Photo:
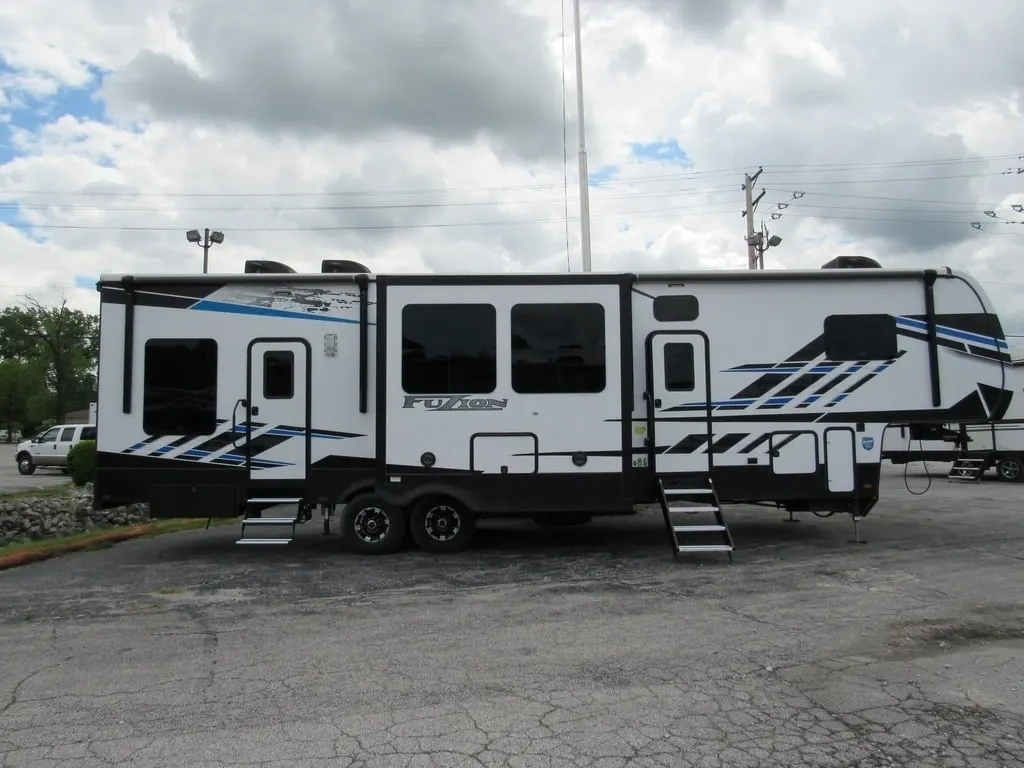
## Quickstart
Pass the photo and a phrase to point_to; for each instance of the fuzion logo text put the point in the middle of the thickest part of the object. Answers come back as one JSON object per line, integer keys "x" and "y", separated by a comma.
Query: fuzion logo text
{"x": 455, "y": 403}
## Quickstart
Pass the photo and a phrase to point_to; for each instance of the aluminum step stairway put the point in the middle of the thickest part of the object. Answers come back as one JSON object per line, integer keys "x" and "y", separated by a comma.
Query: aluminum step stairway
{"x": 682, "y": 498}
{"x": 272, "y": 522}
{"x": 966, "y": 469}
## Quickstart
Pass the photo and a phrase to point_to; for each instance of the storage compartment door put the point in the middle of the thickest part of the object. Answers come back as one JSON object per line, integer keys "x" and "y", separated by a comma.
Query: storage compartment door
{"x": 794, "y": 453}
{"x": 506, "y": 454}
{"x": 841, "y": 460}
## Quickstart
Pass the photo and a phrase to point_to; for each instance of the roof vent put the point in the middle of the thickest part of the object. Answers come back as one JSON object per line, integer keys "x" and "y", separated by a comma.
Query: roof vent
{"x": 262, "y": 266}
{"x": 851, "y": 262}
{"x": 336, "y": 266}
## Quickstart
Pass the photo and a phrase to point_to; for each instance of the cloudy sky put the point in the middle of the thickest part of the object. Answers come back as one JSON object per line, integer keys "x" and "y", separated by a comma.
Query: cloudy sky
{"x": 427, "y": 135}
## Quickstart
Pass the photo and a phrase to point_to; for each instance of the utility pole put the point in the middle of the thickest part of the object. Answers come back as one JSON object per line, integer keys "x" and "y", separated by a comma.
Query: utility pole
{"x": 584, "y": 175}
{"x": 752, "y": 239}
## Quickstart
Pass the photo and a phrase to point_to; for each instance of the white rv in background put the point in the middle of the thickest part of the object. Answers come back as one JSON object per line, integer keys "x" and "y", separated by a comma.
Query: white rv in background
{"x": 973, "y": 448}
{"x": 418, "y": 404}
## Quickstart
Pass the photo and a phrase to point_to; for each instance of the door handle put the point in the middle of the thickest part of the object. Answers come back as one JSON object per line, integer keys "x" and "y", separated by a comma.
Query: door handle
{"x": 657, "y": 402}
{"x": 255, "y": 410}
{"x": 234, "y": 420}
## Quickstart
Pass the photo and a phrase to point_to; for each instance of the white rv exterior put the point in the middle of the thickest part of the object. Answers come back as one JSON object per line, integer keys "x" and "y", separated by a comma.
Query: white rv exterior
{"x": 998, "y": 444}
{"x": 420, "y": 402}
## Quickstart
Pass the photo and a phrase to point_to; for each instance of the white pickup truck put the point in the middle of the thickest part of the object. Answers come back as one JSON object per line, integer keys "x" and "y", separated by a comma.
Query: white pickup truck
{"x": 50, "y": 447}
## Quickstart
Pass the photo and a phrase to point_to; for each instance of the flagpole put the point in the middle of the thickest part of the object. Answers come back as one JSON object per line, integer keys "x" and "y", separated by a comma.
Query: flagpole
{"x": 584, "y": 175}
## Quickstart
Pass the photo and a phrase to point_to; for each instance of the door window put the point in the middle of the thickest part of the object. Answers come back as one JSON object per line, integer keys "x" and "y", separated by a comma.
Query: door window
{"x": 67, "y": 435}
{"x": 50, "y": 435}
{"x": 679, "y": 370}
{"x": 279, "y": 374}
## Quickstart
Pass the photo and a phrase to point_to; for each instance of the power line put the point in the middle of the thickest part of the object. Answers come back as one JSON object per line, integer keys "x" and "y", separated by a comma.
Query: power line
{"x": 886, "y": 197}
{"x": 776, "y": 169}
{"x": 643, "y": 214}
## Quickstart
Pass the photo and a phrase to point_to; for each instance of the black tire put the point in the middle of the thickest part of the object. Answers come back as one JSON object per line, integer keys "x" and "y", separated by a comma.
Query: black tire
{"x": 440, "y": 525}
{"x": 372, "y": 525}
{"x": 1010, "y": 469}
{"x": 561, "y": 519}
{"x": 25, "y": 464}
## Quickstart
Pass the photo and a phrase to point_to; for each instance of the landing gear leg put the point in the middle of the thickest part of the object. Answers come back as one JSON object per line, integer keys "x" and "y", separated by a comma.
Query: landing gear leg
{"x": 856, "y": 516}
{"x": 327, "y": 513}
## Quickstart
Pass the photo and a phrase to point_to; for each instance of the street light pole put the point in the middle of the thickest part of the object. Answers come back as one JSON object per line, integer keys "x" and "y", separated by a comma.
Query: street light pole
{"x": 204, "y": 241}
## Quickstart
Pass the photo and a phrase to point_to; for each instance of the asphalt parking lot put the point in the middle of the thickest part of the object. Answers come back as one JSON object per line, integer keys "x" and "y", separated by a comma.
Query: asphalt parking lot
{"x": 588, "y": 647}
{"x": 11, "y": 481}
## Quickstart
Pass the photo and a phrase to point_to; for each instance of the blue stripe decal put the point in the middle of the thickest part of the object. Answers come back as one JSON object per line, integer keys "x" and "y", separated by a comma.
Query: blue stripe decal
{"x": 824, "y": 367}
{"x": 973, "y": 338}
{"x": 206, "y": 305}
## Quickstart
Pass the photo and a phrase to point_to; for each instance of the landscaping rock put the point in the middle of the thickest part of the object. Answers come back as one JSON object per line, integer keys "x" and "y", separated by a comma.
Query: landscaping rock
{"x": 27, "y": 519}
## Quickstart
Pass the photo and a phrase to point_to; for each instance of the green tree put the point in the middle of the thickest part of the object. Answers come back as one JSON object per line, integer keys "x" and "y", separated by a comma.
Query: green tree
{"x": 19, "y": 381}
{"x": 64, "y": 342}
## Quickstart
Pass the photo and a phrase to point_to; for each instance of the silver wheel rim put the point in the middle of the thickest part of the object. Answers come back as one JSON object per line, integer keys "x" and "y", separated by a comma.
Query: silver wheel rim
{"x": 25, "y": 465}
{"x": 372, "y": 525}
{"x": 442, "y": 523}
{"x": 1009, "y": 469}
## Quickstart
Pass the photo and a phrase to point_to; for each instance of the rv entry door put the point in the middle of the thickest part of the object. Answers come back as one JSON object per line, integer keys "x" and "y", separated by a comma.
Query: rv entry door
{"x": 678, "y": 396}
{"x": 277, "y": 440}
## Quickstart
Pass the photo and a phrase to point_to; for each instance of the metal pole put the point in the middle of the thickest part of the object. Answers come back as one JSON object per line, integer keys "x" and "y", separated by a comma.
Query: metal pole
{"x": 584, "y": 175}
{"x": 206, "y": 250}
{"x": 748, "y": 187}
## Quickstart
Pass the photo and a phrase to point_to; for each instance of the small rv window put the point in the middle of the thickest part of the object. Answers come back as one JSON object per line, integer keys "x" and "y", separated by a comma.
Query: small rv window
{"x": 679, "y": 373}
{"x": 860, "y": 337}
{"x": 676, "y": 309}
{"x": 449, "y": 349}
{"x": 279, "y": 374}
{"x": 180, "y": 387}
{"x": 558, "y": 348}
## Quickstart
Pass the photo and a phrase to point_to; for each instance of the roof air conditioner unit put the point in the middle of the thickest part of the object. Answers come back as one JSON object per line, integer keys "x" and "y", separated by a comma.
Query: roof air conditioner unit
{"x": 263, "y": 266}
{"x": 336, "y": 266}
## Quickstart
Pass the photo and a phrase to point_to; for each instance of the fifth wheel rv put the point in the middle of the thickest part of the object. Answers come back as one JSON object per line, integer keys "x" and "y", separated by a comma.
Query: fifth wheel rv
{"x": 973, "y": 448}
{"x": 417, "y": 404}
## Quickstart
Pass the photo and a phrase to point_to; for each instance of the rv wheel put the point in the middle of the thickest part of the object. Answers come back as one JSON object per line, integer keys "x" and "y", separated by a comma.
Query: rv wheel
{"x": 441, "y": 525}
{"x": 1010, "y": 468}
{"x": 372, "y": 525}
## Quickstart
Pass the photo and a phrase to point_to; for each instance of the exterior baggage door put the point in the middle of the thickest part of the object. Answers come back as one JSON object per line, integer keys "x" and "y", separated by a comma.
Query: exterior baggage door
{"x": 277, "y": 433}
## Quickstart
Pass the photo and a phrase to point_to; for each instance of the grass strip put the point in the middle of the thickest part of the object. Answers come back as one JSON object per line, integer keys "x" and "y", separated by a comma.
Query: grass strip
{"x": 52, "y": 492}
{"x": 23, "y": 553}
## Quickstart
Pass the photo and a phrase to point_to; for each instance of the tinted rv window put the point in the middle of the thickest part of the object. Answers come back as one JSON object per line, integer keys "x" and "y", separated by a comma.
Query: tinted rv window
{"x": 449, "y": 349}
{"x": 675, "y": 309}
{"x": 558, "y": 348}
{"x": 180, "y": 387}
{"x": 679, "y": 375}
{"x": 860, "y": 337}
{"x": 278, "y": 374}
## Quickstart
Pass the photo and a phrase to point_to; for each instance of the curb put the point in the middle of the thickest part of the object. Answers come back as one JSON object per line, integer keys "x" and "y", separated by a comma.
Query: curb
{"x": 36, "y": 555}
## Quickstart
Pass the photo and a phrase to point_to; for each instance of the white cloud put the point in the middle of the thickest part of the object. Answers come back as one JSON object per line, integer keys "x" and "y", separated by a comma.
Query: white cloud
{"x": 336, "y": 130}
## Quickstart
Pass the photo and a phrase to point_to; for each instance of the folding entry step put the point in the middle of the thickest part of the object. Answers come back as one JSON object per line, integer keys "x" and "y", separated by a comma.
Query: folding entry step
{"x": 271, "y": 522}
{"x": 680, "y": 499}
{"x": 966, "y": 469}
